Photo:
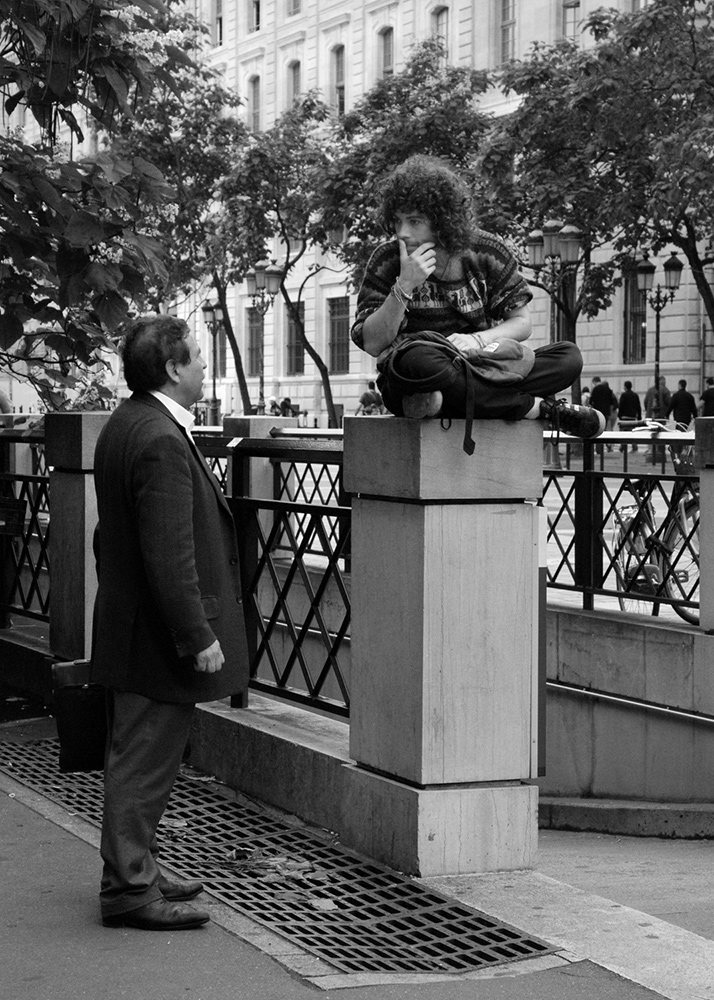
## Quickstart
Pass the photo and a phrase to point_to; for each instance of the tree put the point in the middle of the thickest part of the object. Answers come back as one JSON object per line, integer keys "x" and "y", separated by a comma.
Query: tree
{"x": 616, "y": 138}
{"x": 429, "y": 107}
{"x": 73, "y": 249}
{"x": 188, "y": 129}
{"x": 271, "y": 198}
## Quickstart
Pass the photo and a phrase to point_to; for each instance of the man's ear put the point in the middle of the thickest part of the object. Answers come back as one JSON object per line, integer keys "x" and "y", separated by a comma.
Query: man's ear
{"x": 171, "y": 371}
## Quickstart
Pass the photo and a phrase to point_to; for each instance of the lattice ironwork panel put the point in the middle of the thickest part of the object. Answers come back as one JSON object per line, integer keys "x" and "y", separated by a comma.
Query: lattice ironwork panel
{"x": 27, "y": 584}
{"x": 312, "y": 483}
{"x": 356, "y": 915}
{"x": 559, "y": 498}
{"x": 302, "y": 604}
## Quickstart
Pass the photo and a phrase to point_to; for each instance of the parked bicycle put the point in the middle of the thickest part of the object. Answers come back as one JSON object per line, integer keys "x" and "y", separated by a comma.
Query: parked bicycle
{"x": 659, "y": 560}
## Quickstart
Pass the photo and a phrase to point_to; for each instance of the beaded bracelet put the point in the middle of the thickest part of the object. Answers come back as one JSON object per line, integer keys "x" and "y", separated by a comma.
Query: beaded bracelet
{"x": 402, "y": 297}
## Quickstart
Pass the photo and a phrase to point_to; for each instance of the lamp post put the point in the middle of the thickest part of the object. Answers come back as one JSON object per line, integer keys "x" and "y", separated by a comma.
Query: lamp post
{"x": 213, "y": 317}
{"x": 263, "y": 282}
{"x": 553, "y": 253}
{"x": 658, "y": 296}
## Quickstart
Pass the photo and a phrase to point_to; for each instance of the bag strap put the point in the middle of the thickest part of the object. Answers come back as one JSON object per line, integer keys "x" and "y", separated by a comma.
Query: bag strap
{"x": 432, "y": 383}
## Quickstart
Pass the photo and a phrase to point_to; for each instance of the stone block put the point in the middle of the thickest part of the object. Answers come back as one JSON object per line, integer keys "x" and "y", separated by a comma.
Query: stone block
{"x": 421, "y": 459}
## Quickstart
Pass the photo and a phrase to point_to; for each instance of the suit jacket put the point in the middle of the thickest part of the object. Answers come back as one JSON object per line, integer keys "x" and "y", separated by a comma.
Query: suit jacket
{"x": 167, "y": 562}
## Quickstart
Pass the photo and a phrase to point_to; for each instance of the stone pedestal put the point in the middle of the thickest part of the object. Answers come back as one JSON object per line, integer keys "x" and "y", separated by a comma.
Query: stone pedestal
{"x": 445, "y": 600}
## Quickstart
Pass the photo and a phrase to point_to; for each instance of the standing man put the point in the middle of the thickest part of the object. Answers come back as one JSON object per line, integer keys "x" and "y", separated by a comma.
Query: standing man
{"x": 706, "y": 400}
{"x": 657, "y": 399}
{"x": 168, "y": 628}
{"x": 628, "y": 408}
{"x": 602, "y": 398}
{"x": 370, "y": 402}
{"x": 682, "y": 405}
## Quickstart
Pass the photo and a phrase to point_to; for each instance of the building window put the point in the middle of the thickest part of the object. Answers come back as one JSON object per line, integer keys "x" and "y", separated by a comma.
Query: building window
{"x": 386, "y": 52}
{"x": 338, "y": 79}
{"x": 571, "y": 20}
{"x": 253, "y": 15}
{"x": 294, "y": 82}
{"x": 339, "y": 335}
{"x": 218, "y": 22}
{"x": 634, "y": 348}
{"x": 440, "y": 27}
{"x": 508, "y": 30}
{"x": 255, "y": 341}
{"x": 254, "y": 104}
{"x": 294, "y": 7}
{"x": 296, "y": 350}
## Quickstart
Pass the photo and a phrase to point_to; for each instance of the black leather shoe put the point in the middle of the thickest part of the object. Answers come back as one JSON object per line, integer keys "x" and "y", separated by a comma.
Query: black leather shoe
{"x": 160, "y": 915}
{"x": 179, "y": 890}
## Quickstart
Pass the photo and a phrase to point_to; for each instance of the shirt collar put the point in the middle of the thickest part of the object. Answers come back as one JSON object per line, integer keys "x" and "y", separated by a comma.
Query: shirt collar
{"x": 183, "y": 416}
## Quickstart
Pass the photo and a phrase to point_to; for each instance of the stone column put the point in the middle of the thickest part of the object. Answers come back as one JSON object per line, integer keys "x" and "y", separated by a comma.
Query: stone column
{"x": 70, "y": 440}
{"x": 444, "y": 642}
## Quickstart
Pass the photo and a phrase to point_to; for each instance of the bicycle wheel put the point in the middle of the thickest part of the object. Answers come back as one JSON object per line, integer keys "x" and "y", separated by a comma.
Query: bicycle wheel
{"x": 681, "y": 561}
{"x": 638, "y": 574}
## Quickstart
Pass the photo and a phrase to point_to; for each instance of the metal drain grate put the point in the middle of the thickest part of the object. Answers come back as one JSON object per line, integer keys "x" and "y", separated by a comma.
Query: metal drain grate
{"x": 352, "y": 913}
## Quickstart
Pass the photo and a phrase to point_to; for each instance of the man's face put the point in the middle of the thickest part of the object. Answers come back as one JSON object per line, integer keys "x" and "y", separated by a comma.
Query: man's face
{"x": 414, "y": 229}
{"x": 190, "y": 375}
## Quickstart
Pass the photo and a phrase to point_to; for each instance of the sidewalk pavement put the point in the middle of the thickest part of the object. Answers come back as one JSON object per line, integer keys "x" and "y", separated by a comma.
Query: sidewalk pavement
{"x": 632, "y": 918}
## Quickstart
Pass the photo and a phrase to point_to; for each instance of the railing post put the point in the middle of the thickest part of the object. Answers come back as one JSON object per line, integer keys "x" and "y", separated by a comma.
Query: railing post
{"x": 444, "y": 643}
{"x": 704, "y": 462}
{"x": 70, "y": 440}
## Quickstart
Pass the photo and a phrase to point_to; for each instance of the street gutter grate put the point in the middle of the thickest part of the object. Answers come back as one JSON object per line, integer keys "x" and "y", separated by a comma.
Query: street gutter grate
{"x": 353, "y": 913}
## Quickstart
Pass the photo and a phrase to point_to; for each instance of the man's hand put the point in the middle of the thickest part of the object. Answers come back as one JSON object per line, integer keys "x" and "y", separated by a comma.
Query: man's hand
{"x": 210, "y": 660}
{"x": 467, "y": 342}
{"x": 416, "y": 267}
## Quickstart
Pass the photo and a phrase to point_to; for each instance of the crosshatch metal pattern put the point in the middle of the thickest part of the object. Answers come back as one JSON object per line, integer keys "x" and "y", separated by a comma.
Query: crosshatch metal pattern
{"x": 587, "y": 532}
{"x": 27, "y": 579}
{"x": 297, "y": 600}
{"x": 354, "y": 914}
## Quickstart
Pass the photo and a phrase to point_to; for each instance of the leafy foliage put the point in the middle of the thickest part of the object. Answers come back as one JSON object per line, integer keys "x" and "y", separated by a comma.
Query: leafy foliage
{"x": 74, "y": 251}
{"x": 616, "y": 138}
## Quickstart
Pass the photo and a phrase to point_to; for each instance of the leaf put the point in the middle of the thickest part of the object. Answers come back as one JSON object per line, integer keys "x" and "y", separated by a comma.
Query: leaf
{"x": 10, "y": 330}
{"x": 111, "y": 309}
{"x": 84, "y": 230}
{"x": 323, "y": 904}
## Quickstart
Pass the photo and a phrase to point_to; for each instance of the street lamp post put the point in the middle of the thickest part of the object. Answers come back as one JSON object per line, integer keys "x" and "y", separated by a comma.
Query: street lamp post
{"x": 213, "y": 316}
{"x": 263, "y": 282}
{"x": 658, "y": 296}
{"x": 553, "y": 253}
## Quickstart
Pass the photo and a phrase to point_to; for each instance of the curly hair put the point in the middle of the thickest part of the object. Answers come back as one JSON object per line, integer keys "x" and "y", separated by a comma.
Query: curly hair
{"x": 429, "y": 186}
{"x": 150, "y": 342}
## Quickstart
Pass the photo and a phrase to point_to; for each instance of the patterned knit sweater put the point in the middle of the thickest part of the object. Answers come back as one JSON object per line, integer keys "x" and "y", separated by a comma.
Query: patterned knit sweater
{"x": 491, "y": 287}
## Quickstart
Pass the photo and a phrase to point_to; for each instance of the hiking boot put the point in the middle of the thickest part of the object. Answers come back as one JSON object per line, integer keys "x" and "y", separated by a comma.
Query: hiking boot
{"x": 580, "y": 421}
{"x": 422, "y": 404}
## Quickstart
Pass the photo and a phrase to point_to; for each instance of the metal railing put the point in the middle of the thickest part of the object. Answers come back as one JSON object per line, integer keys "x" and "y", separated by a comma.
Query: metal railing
{"x": 295, "y": 544}
{"x": 627, "y": 537}
{"x": 24, "y": 525}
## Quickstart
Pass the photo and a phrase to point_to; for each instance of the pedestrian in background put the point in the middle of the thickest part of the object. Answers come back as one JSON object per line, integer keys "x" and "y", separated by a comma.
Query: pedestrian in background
{"x": 602, "y": 398}
{"x": 657, "y": 399}
{"x": 628, "y": 408}
{"x": 682, "y": 405}
{"x": 370, "y": 402}
{"x": 706, "y": 400}
{"x": 168, "y": 626}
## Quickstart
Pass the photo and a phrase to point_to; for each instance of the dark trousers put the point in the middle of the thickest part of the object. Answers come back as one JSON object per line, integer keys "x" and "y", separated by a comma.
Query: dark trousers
{"x": 144, "y": 751}
{"x": 556, "y": 368}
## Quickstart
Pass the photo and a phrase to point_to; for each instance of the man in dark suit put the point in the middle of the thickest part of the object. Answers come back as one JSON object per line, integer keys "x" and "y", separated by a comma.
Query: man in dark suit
{"x": 168, "y": 628}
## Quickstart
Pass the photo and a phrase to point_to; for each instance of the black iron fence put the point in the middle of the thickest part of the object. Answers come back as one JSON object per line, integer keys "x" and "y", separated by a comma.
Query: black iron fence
{"x": 623, "y": 534}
